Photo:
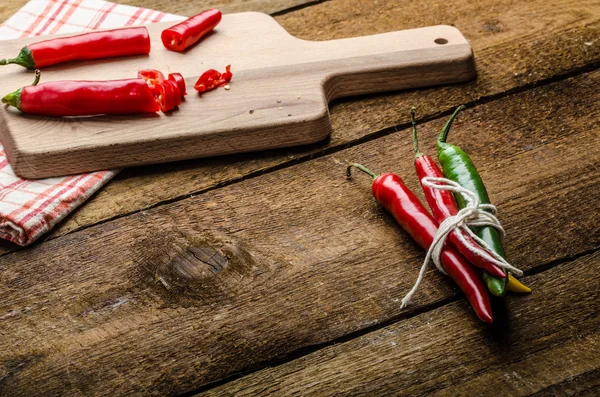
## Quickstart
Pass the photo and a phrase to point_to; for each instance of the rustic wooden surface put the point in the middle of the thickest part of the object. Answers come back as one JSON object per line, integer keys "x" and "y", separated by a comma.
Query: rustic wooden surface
{"x": 278, "y": 98}
{"x": 270, "y": 273}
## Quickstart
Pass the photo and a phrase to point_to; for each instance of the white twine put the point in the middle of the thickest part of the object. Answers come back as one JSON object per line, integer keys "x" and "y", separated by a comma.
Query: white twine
{"x": 474, "y": 214}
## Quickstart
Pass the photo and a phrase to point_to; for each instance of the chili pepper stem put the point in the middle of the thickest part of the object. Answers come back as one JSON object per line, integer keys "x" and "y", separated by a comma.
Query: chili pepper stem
{"x": 360, "y": 167}
{"x": 14, "y": 98}
{"x": 418, "y": 153}
{"x": 24, "y": 59}
{"x": 446, "y": 129}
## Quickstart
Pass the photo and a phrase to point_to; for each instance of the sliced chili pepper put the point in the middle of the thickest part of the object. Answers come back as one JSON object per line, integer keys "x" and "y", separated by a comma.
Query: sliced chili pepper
{"x": 94, "y": 45}
{"x": 458, "y": 167}
{"x": 178, "y": 78}
{"x": 83, "y": 98}
{"x": 165, "y": 96}
{"x": 443, "y": 206}
{"x": 189, "y": 32}
{"x": 514, "y": 285}
{"x": 176, "y": 92}
{"x": 152, "y": 76}
{"x": 212, "y": 79}
{"x": 407, "y": 210}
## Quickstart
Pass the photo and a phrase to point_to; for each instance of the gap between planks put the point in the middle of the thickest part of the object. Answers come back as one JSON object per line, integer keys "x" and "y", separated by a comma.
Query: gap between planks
{"x": 246, "y": 380}
{"x": 307, "y": 350}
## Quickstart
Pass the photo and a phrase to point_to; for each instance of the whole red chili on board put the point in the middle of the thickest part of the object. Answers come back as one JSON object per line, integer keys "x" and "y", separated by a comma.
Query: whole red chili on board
{"x": 443, "y": 206}
{"x": 84, "y": 98}
{"x": 212, "y": 79}
{"x": 93, "y": 45}
{"x": 391, "y": 192}
{"x": 187, "y": 33}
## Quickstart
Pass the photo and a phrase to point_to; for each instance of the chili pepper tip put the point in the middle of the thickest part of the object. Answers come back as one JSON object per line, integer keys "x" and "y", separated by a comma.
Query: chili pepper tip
{"x": 446, "y": 129}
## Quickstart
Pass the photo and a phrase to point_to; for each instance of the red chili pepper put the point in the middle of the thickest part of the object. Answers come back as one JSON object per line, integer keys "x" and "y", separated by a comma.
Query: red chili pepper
{"x": 178, "y": 78}
{"x": 212, "y": 79}
{"x": 184, "y": 34}
{"x": 84, "y": 98}
{"x": 443, "y": 206}
{"x": 407, "y": 210}
{"x": 94, "y": 45}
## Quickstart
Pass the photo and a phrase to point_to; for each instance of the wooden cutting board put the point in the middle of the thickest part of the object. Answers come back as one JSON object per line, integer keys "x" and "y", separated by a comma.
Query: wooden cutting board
{"x": 278, "y": 98}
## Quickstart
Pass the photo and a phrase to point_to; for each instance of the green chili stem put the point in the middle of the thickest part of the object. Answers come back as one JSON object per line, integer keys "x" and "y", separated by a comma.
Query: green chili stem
{"x": 38, "y": 74}
{"x": 25, "y": 58}
{"x": 360, "y": 167}
{"x": 414, "y": 131}
{"x": 446, "y": 129}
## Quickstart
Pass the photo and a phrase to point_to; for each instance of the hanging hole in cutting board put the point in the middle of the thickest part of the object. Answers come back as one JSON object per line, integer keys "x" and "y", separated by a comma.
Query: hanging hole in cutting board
{"x": 441, "y": 41}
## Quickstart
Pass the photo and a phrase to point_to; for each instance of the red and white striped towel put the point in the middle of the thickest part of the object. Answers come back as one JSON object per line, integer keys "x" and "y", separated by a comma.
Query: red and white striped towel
{"x": 29, "y": 208}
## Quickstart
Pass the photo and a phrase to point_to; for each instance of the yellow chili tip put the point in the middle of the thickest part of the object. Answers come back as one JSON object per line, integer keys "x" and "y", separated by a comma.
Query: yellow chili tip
{"x": 515, "y": 285}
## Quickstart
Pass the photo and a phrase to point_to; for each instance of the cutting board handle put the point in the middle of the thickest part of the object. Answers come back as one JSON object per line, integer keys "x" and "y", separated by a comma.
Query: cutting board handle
{"x": 393, "y": 61}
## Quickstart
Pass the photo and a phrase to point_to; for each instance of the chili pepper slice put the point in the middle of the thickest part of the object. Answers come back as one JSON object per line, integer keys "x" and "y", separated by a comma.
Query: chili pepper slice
{"x": 83, "y": 98}
{"x": 178, "y": 78}
{"x": 458, "y": 167}
{"x": 212, "y": 79}
{"x": 187, "y": 33}
{"x": 165, "y": 96}
{"x": 391, "y": 192}
{"x": 93, "y": 45}
{"x": 443, "y": 206}
{"x": 152, "y": 76}
{"x": 176, "y": 92}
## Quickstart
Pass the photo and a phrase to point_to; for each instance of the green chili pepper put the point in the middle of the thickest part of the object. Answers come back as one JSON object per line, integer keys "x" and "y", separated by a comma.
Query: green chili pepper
{"x": 458, "y": 167}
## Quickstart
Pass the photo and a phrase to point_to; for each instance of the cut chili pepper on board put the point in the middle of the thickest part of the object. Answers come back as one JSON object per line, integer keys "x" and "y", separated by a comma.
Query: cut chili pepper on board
{"x": 443, "y": 206}
{"x": 178, "y": 78}
{"x": 165, "y": 96}
{"x": 152, "y": 76}
{"x": 458, "y": 167}
{"x": 83, "y": 98}
{"x": 391, "y": 192}
{"x": 94, "y": 45}
{"x": 189, "y": 32}
{"x": 212, "y": 79}
{"x": 176, "y": 93}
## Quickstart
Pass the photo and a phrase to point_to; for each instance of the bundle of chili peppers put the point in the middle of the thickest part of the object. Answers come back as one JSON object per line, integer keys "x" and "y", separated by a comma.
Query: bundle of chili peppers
{"x": 474, "y": 259}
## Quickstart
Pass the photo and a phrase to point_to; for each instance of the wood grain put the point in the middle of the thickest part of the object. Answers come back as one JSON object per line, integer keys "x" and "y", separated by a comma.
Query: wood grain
{"x": 512, "y": 44}
{"x": 279, "y": 95}
{"x": 545, "y": 345}
{"x": 186, "y": 7}
{"x": 229, "y": 280}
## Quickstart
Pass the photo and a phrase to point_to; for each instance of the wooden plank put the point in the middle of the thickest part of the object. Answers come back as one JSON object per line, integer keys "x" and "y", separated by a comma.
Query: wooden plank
{"x": 191, "y": 8}
{"x": 185, "y": 8}
{"x": 513, "y": 49}
{"x": 547, "y": 344}
{"x": 278, "y": 98}
{"x": 197, "y": 290}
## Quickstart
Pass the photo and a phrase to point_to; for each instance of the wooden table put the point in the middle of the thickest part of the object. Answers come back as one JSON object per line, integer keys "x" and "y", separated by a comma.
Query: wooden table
{"x": 269, "y": 273}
